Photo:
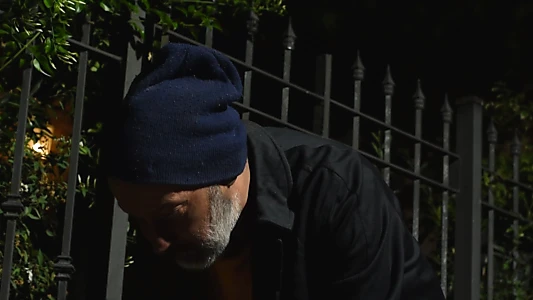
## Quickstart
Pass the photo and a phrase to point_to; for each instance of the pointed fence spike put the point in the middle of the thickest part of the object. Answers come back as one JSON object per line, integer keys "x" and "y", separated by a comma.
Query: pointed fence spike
{"x": 419, "y": 97}
{"x": 358, "y": 68}
{"x": 516, "y": 145}
{"x": 492, "y": 133}
{"x": 289, "y": 37}
{"x": 388, "y": 83}
{"x": 252, "y": 23}
{"x": 446, "y": 110}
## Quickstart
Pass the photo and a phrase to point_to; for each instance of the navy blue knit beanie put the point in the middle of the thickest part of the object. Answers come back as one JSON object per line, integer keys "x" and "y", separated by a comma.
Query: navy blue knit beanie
{"x": 176, "y": 126}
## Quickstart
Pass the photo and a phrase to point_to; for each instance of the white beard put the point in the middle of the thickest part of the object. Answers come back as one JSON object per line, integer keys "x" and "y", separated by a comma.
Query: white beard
{"x": 224, "y": 214}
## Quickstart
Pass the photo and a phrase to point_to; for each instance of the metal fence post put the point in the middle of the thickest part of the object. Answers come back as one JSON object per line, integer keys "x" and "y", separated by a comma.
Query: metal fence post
{"x": 13, "y": 206}
{"x": 119, "y": 226}
{"x": 469, "y": 135}
{"x": 324, "y": 66}
{"x": 64, "y": 267}
{"x": 252, "y": 25}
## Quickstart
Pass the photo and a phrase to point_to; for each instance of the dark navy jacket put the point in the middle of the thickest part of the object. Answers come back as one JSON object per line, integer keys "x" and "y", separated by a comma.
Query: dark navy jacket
{"x": 324, "y": 225}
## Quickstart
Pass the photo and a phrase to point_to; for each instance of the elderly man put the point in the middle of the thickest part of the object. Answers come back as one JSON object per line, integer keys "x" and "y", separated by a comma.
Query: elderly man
{"x": 237, "y": 211}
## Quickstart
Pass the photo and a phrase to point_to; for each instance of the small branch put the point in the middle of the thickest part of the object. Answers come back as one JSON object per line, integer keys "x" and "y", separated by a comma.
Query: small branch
{"x": 20, "y": 51}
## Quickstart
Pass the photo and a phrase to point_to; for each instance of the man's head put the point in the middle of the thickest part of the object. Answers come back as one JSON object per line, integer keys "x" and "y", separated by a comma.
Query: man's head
{"x": 176, "y": 155}
{"x": 190, "y": 227}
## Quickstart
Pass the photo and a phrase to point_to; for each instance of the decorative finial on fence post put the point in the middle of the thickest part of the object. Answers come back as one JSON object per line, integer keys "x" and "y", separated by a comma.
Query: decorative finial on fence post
{"x": 12, "y": 207}
{"x": 388, "y": 83}
{"x": 289, "y": 37}
{"x": 358, "y": 68}
{"x": 419, "y": 97}
{"x": 446, "y": 110}
{"x": 492, "y": 133}
{"x": 252, "y": 24}
{"x": 64, "y": 268}
{"x": 516, "y": 145}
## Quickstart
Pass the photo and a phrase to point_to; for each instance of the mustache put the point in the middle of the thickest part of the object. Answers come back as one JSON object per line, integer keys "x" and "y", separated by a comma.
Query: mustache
{"x": 188, "y": 249}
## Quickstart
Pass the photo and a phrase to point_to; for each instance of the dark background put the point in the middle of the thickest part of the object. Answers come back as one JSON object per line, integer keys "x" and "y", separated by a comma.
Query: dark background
{"x": 460, "y": 48}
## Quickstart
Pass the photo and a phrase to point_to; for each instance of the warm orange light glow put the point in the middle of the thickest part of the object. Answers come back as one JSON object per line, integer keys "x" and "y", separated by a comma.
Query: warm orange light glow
{"x": 44, "y": 144}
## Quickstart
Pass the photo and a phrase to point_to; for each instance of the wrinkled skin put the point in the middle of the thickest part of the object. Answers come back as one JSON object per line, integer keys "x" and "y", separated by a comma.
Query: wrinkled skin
{"x": 190, "y": 227}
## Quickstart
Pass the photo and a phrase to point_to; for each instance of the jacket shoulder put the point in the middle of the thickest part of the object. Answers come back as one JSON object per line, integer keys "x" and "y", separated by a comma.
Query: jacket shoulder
{"x": 337, "y": 162}
{"x": 313, "y": 152}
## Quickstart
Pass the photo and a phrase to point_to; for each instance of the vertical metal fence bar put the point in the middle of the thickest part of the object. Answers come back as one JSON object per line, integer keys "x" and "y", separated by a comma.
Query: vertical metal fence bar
{"x": 252, "y": 26}
{"x": 419, "y": 100}
{"x": 63, "y": 267}
{"x": 492, "y": 138}
{"x": 447, "y": 117}
{"x": 209, "y": 34}
{"x": 467, "y": 263}
{"x": 324, "y": 80}
{"x": 358, "y": 77}
{"x": 149, "y": 38}
{"x": 288, "y": 44}
{"x": 119, "y": 226}
{"x": 388, "y": 90}
{"x": 515, "y": 151}
{"x": 12, "y": 207}
{"x": 165, "y": 38}
{"x": 320, "y": 89}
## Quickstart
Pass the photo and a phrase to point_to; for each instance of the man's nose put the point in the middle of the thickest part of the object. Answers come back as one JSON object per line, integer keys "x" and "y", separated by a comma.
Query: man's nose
{"x": 157, "y": 241}
{"x": 160, "y": 245}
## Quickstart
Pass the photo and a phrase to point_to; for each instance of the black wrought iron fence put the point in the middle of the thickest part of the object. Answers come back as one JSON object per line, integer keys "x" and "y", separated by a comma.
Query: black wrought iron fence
{"x": 519, "y": 261}
{"x": 464, "y": 166}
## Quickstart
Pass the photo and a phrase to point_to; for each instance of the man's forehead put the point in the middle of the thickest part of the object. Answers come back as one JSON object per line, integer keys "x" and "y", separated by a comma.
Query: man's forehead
{"x": 132, "y": 196}
{"x": 118, "y": 185}
{"x": 147, "y": 197}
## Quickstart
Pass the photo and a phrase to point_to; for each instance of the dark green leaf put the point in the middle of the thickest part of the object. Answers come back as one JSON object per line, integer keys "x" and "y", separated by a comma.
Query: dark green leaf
{"x": 48, "y": 3}
{"x": 22, "y": 63}
{"x": 48, "y": 46}
{"x": 33, "y": 217}
{"x": 84, "y": 150}
{"x": 40, "y": 257}
{"x": 37, "y": 66}
{"x": 146, "y": 4}
{"x": 105, "y": 7}
{"x": 45, "y": 63}
{"x": 11, "y": 45}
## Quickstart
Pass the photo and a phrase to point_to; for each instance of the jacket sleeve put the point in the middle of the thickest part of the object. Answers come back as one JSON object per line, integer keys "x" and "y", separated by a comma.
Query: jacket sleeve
{"x": 374, "y": 255}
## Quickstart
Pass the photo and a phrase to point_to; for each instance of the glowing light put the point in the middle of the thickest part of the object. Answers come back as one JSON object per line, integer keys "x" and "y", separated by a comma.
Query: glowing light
{"x": 44, "y": 144}
{"x": 37, "y": 147}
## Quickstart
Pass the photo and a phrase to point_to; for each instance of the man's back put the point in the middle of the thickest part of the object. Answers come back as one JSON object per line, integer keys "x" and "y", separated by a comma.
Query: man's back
{"x": 356, "y": 243}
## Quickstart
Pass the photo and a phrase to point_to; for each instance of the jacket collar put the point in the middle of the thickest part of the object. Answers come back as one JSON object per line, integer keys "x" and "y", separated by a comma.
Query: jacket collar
{"x": 271, "y": 181}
